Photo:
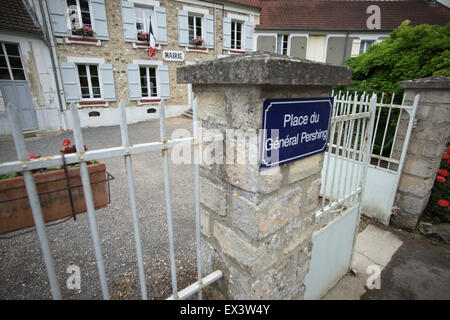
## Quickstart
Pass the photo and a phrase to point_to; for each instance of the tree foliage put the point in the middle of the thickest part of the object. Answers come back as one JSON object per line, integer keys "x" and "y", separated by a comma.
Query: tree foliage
{"x": 408, "y": 53}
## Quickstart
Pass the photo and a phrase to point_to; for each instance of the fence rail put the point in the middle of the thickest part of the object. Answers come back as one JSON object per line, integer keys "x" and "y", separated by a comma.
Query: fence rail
{"x": 26, "y": 166}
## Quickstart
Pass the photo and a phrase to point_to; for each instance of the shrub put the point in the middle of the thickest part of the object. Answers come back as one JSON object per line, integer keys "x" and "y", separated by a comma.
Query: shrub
{"x": 408, "y": 53}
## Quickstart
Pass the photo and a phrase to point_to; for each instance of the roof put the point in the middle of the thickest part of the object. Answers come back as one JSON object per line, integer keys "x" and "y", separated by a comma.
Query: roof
{"x": 251, "y": 3}
{"x": 347, "y": 15}
{"x": 15, "y": 16}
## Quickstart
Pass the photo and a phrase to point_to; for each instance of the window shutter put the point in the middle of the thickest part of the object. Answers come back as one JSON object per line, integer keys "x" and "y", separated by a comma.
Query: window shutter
{"x": 109, "y": 91}
{"x": 248, "y": 36}
{"x": 226, "y": 33}
{"x": 57, "y": 9}
{"x": 161, "y": 25}
{"x": 134, "y": 82}
{"x": 129, "y": 22}
{"x": 209, "y": 31}
{"x": 70, "y": 81}
{"x": 164, "y": 83}
{"x": 183, "y": 28}
{"x": 99, "y": 13}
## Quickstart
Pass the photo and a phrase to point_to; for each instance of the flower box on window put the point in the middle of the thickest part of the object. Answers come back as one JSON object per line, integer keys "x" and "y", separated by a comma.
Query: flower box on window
{"x": 143, "y": 36}
{"x": 198, "y": 41}
{"x": 84, "y": 31}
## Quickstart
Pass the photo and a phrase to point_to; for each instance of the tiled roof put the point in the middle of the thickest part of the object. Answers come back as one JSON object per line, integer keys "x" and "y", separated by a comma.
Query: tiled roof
{"x": 252, "y": 3}
{"x": 14, "y": 16}
{"x": 347, "y": 15}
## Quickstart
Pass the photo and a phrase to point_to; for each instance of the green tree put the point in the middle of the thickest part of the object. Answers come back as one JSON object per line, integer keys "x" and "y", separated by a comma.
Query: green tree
{"x": 408, "y": 53}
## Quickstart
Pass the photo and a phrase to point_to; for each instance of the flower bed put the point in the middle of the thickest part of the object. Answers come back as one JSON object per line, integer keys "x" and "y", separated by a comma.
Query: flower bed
{"x": 438, "y": 208}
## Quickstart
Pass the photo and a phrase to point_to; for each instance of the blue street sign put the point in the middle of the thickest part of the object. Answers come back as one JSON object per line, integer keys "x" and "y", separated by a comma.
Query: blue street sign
{"x": 293, "y": 129}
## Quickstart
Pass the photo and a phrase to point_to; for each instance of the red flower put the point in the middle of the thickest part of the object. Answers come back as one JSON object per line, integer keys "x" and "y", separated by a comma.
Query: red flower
{"x": 448, "y": 150}
{"x": 443, "y": 203}
{"x": 66, "y": 143}
{"x": 446, "y": 156}
{"x": 443, "y": 173}
{"x": 448, "y": 162}
{"x": 440, "y": 179}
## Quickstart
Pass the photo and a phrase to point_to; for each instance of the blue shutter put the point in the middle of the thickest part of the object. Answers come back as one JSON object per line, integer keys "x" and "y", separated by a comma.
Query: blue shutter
{"x": 99, "y": 13}
{"x": 226, "y": 33}
{"x": 161, "y": 25}
{"x": 209, "y": 31}
{"x": 109, "y": 91}
{"x": 164, "y": 82}
{"x": 70, "y": 81}
{"x": 183, "y": 28}
{"x": 248, "y": 36}
{"x": 134, "y": 82}
{"x": 57, "y": 10}
{"x": 129, "y": 22}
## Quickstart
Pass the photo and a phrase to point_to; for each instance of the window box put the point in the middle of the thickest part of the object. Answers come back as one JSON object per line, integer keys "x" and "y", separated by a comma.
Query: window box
{"x": 200, "y": 49}
{"x": 144, "y": 45}
{"x": 15, "y": 214}
{"x": 92, "y": 103}
{"x": 236, "y": 51}
{"x": 149, "y": 101}
{"x": 83, "y": 40}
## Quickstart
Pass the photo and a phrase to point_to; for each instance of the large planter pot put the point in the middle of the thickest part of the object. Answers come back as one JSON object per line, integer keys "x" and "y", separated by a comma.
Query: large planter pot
{"x": 16, "y": 214}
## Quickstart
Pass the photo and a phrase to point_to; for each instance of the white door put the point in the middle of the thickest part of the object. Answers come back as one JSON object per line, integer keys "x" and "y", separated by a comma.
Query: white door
{"x": 315, "y": 50}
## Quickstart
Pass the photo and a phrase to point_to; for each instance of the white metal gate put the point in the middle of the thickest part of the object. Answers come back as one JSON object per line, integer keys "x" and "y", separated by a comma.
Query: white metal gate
{"x": 344, "y": 170}
{"x": 361, "y": 170}
{"x": 26, "y": 166}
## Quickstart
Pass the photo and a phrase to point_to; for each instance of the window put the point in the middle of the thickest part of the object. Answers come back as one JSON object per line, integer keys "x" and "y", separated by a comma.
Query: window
{"x": 89, "y": 81}
{"x": 143, "y": 19}
{"x": 10, "y": 62}
{"x": 282, "y": 44}
{"x": 195, "y": 27}
{"x": 236, "y": 35}
{"x": 148, "y": 82}
{"x": 79, "y": 13}
{"x": 364, "y": 45}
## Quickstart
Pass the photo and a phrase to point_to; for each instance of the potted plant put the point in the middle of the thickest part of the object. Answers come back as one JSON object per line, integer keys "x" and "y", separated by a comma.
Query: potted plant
{"x": 84, "y": 31}
{"x": 56, "y": 198}
{"x": 143, "y": 36}
{"x": 198, "y": 41}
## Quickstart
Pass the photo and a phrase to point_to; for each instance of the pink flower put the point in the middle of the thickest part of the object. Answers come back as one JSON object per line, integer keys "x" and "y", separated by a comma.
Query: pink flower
{"x": 440, "y": 179}
{"x": 443, "y": 173}
{"x": 443, "y": 203}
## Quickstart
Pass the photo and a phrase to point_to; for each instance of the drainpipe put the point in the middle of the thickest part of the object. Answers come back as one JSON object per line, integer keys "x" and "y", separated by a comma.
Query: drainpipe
{"x": 48, "y": 42}
{"x": 345, "y": 47}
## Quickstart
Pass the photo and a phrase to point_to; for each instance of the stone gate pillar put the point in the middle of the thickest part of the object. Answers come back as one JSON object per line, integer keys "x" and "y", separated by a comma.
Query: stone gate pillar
{"x": 256, "y": 225}
{"x": 428, "y": 139}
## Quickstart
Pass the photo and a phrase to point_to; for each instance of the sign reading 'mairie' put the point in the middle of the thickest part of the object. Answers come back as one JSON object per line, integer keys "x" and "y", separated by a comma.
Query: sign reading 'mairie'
{"x": 170, "y": 55}
{"x": 294, "y": 129}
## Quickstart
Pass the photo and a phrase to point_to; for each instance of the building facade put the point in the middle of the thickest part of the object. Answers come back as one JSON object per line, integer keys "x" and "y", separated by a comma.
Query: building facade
{"x": 98, "y": 71}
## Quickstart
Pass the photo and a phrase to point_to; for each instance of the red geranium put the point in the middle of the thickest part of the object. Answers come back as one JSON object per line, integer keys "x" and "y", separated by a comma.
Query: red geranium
{"x": 448, "y": 150}
{"x": 440, "y": 179}
{"x": 446, "y": 156}
{"x": 448, "y": 162}
{"x": 443, "y": 203}
{"x": 66, "y": 143}
{"x": 443, "y": 173}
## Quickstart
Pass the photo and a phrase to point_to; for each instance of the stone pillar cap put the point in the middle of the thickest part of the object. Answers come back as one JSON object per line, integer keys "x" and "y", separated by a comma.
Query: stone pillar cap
{"x": 438, "y": 82}
{"x": 259, "y": 68}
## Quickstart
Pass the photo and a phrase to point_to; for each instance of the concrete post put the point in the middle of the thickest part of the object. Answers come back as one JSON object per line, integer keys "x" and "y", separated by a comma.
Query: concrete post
{"x": 429, "y": 137}
{"x": 256, "y": 225}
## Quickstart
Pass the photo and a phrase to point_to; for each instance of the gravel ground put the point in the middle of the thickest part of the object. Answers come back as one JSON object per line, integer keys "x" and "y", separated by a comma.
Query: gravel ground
{"x": 23, "y": 274}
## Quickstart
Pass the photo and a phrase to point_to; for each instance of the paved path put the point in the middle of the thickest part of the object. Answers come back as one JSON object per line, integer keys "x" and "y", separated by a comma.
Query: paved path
{"x": 23, "y": 275}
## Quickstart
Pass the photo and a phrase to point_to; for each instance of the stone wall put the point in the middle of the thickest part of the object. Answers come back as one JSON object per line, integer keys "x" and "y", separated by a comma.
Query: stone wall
{"x": 428, "y": 139}
{"x": 256, "y": 225}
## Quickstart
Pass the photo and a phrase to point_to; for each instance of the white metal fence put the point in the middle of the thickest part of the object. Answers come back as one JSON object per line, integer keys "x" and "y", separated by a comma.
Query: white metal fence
{"x": 126, "y": 151}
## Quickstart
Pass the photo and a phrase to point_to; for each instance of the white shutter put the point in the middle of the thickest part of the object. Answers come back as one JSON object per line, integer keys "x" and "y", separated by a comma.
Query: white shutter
{"x": 248, "y": 36}
{"x": 109, "y": 92}
{"x": 161, "y": 25}
{"x": 129, "y": 22}
{"x": 70, "y": 81}
{"x": 57, "y": 9}
{"x": 183, "y": 28}
{"x": 100, "y": 24}
{"x": 209, "y": 31}
{"x": 226, "y": 33}
{"x": 134, "y": 82}
{"x": 164, "y": 82}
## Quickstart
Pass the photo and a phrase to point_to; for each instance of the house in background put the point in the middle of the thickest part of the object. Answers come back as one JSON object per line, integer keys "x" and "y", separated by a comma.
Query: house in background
{"x": 331, "y": 30}
{"x": 26, "y": 72}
